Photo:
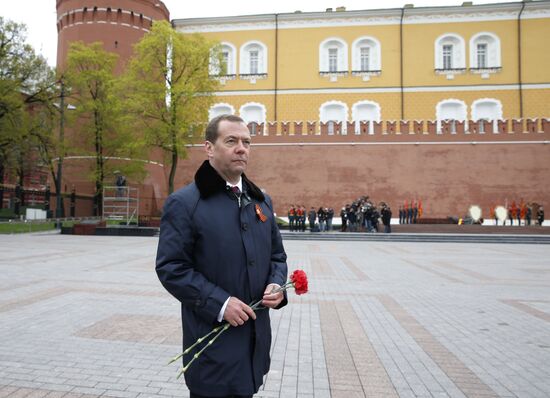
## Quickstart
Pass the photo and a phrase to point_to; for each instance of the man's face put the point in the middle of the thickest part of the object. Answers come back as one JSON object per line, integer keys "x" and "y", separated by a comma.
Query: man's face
{"x": 229, "y": 154}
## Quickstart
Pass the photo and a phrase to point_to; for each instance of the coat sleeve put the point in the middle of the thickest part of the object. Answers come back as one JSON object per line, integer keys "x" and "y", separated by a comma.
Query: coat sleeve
{"x": 278, "y": 271}
{"x": 175, "y": 267}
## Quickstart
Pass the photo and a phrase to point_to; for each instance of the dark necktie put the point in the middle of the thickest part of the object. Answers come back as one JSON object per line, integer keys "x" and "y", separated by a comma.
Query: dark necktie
{"x": 237, "y": 193}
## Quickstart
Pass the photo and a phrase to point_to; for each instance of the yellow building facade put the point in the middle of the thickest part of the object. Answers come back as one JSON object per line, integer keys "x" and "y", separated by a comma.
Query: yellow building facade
{"x": 466, "y": 62}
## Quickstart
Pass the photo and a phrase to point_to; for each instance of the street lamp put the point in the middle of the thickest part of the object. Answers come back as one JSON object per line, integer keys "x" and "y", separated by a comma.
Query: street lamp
{"x": 59, "y": 199}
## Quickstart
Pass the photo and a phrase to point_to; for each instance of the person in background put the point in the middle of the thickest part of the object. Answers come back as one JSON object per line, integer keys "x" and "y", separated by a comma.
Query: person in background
{"x": 386, "y": 218}
{"x": 330, "y": 216}
{"x": 344, "y": 218}
{"x": 292, "y": 218}
{"x": 312, "y": 216}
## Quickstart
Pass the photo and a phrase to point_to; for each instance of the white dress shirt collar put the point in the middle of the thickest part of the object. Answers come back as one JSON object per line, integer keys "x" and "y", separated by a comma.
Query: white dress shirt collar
{"x": 238, "y": 184}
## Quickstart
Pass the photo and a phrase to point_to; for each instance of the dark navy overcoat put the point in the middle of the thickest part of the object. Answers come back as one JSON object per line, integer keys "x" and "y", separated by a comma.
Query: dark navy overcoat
{"x": 211, "y": 249}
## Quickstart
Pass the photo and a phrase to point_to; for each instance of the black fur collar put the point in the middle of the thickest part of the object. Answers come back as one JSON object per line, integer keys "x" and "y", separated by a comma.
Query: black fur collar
{"x": 210, "y": 182}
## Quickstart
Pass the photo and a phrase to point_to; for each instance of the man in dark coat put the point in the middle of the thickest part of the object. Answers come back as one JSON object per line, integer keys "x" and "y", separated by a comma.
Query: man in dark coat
{"x": 330, "y": 216}
{"x": 220, "y": 250}
{"x": 312, "y": 216}
{"x": 344, "y": 217}
{"x": 386, "y": 218}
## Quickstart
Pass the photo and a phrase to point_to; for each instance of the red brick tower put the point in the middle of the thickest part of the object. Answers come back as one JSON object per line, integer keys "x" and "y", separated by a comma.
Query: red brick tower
{"x": 119, "y": 24}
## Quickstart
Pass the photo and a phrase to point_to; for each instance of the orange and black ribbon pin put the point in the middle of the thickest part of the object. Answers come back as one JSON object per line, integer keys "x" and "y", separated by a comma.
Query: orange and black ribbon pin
{"x": 259, "y": 213}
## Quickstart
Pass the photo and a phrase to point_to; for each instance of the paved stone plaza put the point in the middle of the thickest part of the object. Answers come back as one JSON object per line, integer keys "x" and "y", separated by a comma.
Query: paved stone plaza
{"x": 86, "y": 317}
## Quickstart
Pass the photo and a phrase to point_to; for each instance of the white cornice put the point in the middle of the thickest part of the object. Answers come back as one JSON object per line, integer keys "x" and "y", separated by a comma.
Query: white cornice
{"x": 422, "y": 15}
{"x": 418, "y": 89}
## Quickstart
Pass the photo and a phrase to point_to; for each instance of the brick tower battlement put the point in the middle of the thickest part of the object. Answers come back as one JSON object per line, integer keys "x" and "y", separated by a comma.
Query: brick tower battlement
{"x": 119, "y": 24}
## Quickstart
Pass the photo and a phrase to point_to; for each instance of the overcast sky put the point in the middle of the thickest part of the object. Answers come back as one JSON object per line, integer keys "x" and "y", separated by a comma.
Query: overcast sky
{"x": 40, "y": 15}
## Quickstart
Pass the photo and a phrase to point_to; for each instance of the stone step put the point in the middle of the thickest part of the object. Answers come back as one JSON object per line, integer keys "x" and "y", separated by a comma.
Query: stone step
{"x": 401, "y": 237}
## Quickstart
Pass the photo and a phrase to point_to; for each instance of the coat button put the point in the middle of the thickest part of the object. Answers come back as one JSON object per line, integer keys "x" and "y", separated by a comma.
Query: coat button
{"x": 251, "y": 262}
{"x": 245, "y": 226}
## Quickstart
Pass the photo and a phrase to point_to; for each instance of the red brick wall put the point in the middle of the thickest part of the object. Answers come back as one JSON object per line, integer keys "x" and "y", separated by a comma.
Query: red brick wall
{"x": 448, "y": 178}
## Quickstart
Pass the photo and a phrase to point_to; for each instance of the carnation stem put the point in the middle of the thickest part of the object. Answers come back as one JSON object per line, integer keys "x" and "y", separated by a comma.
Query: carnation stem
{"x": 200, "y": 340}
{"x": 210, "y": 342}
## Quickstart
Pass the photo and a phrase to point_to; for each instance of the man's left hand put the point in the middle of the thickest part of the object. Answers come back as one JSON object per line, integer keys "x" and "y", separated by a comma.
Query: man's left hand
{"x": 272, "y": 300}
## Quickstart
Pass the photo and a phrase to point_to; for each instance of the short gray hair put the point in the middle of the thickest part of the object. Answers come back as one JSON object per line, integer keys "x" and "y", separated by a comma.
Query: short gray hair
{"x": 212, "y": 128}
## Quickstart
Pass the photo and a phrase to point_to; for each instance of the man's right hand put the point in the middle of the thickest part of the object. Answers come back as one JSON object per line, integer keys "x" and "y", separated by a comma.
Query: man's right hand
{"x": 237, "y": 312}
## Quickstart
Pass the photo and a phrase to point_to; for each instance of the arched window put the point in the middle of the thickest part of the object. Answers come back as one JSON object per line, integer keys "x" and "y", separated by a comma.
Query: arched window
{"x": 333, "y": 56}
{"x": 485, "y": 51}
{"x": 489, "y": 109}
{"x": 450, "y": 53}
{"x": 253, "y": 58}
{"x": 366, "y": 55}
{"x": 226, "y": 54}
{"x": 452, "y": 111}
{"x": 332, "y": 112}
{"x": 365, "y": 111}
{"x": 220, "y": 109}
{"x": 253, "y": 114}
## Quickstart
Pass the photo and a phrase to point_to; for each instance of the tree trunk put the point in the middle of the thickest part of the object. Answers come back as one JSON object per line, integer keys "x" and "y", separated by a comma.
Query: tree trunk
{"x": 174, "y": 163}
{"x": 173, "y": 167}
{"x": 1, "y": 183}
{"x": 99, "y": 172}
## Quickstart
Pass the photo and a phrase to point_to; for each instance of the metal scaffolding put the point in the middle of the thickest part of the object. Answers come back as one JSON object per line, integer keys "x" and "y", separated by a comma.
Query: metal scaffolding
{"x": 121, "y": 203}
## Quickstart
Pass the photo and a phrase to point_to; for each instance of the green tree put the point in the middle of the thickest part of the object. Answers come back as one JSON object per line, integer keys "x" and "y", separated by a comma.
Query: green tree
{"x": 26, "y": 83}
{"x": 169, "y": 90}
{"x": 100, "y": 122}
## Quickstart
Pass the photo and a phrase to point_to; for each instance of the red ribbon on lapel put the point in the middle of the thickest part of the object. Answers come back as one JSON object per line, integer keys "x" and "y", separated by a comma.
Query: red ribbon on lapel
{"x": 259, "y": 213}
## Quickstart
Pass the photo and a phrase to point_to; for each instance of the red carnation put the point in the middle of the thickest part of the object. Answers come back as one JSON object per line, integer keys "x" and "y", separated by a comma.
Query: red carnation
{"x": 299, "y": 280}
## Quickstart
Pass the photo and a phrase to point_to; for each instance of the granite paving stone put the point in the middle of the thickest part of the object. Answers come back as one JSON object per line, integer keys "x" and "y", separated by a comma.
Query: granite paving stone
{"x": 86, "y": 317}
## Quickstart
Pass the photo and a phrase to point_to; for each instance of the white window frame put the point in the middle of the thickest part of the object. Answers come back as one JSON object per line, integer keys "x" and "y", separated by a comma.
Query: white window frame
{"x": 231, "y": 70}
{"x": 212, "y": 112}
{"x": 245, "y": 58}
{"x": 375, "y": 59}
{"x": 494, "y": 61}
{"x": 333, "y": 59}
{"x": 458, "y": 54}
{"x": 342, "y": 64}
{"x": 365, "y": 59}
{"x": 247, "y": 119}
{"x": 254, "y": 59}
{"x": 357, "y": 119}
{"x": 482, "y": 57}
{"x": 324, "y": 119}
{"x": 438, "y": 112}
{"x": 475, "y": 113}
{"x": 447, "y": 54}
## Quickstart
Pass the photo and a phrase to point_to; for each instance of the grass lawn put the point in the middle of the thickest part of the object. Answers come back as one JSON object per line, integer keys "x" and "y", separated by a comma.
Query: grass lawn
{"x": 21, "y": 227}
